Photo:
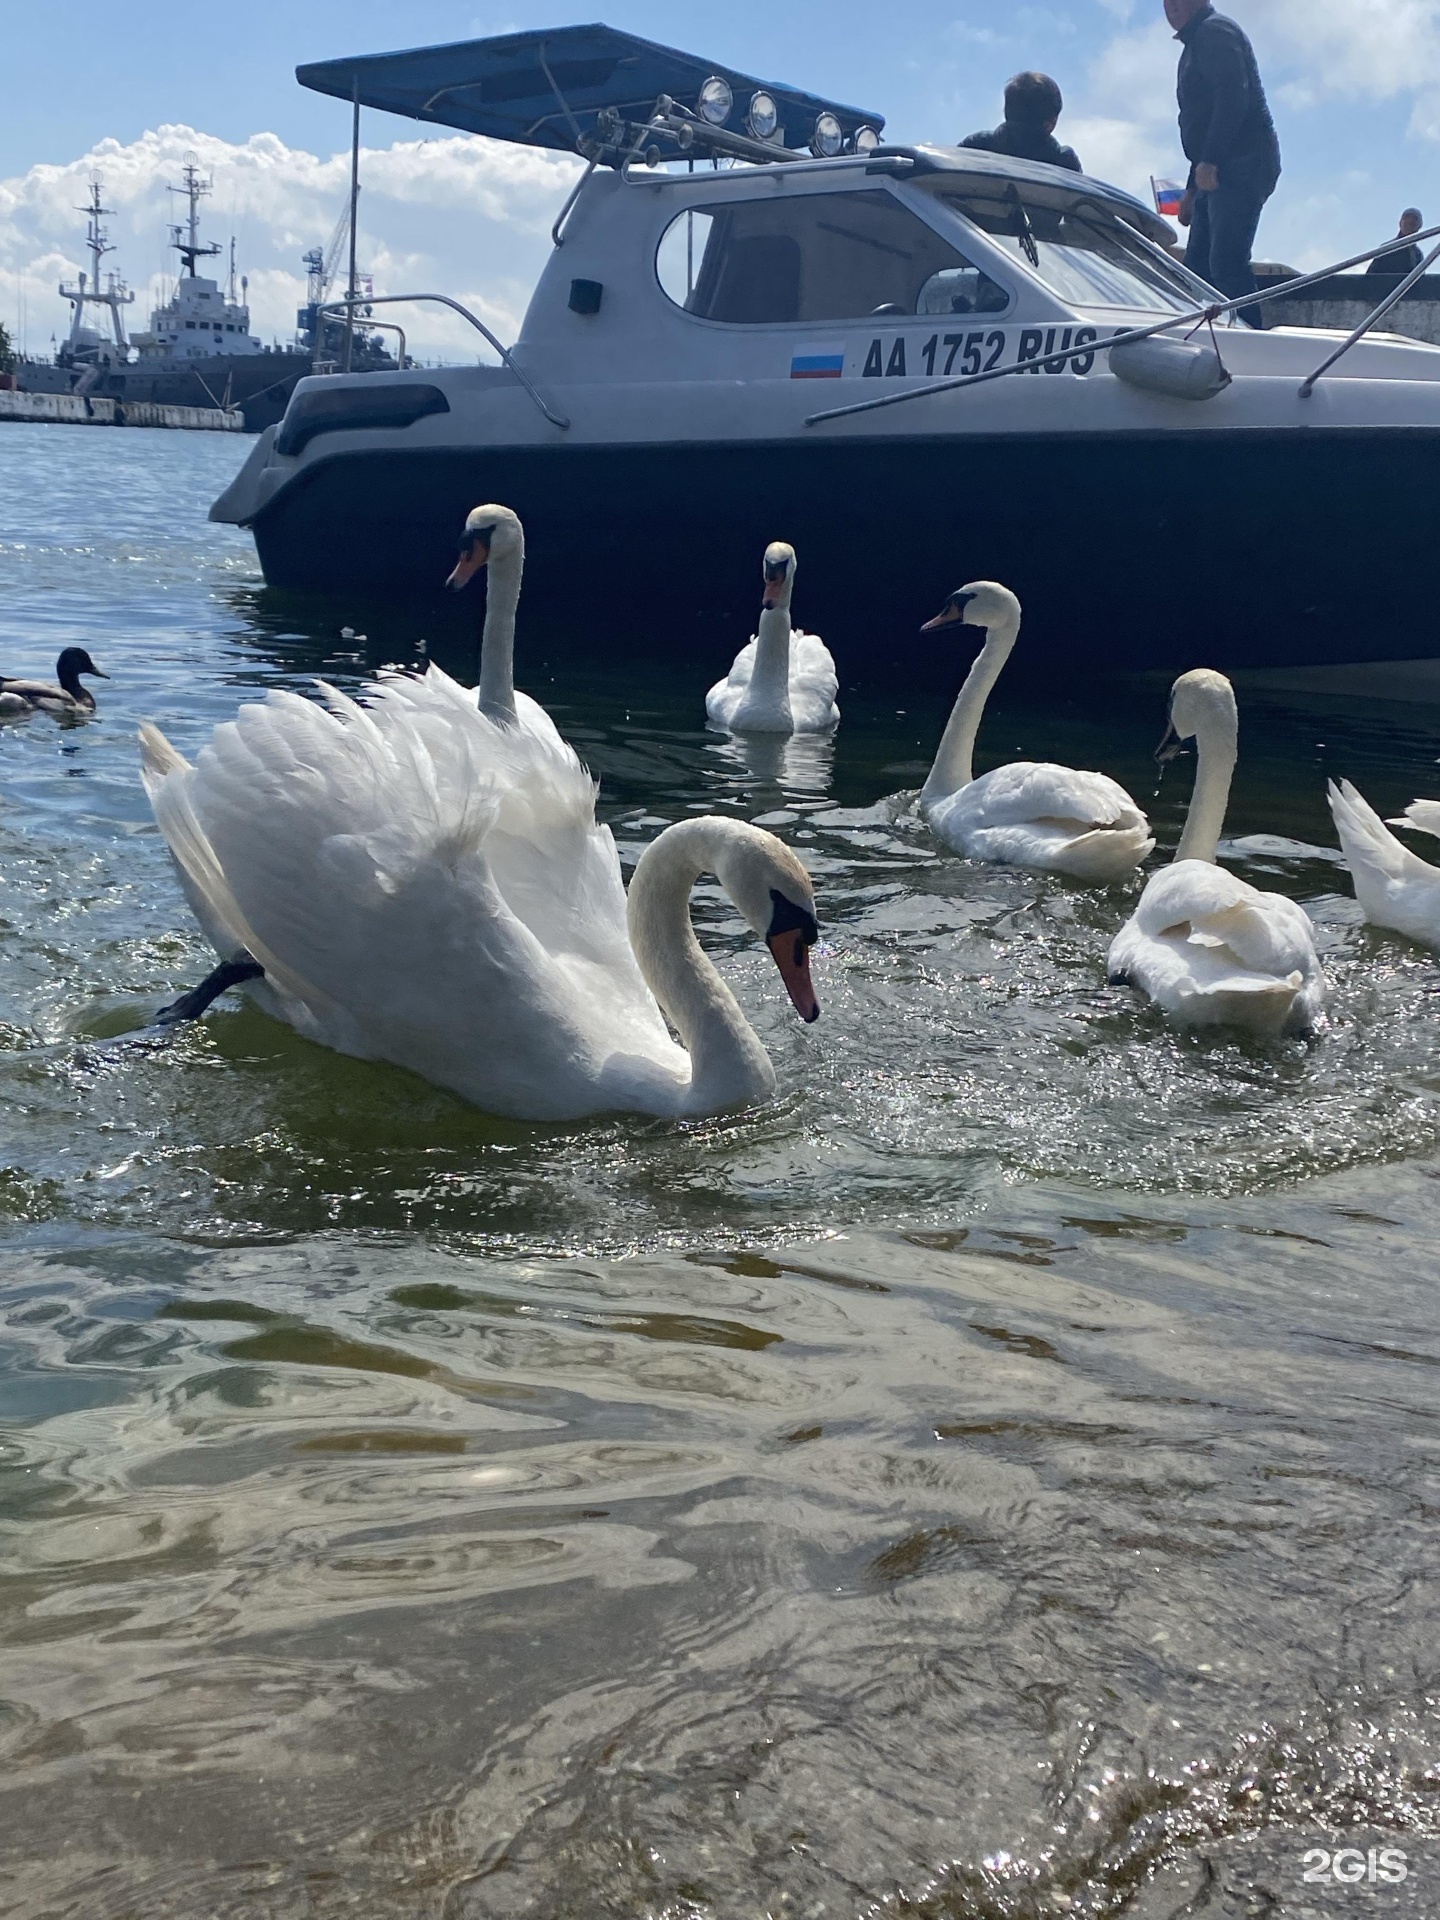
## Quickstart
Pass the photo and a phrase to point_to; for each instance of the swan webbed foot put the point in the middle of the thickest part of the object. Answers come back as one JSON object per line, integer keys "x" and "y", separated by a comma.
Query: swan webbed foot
{"x": 1120, "y": 980}
{"x": 190, "y": 1006}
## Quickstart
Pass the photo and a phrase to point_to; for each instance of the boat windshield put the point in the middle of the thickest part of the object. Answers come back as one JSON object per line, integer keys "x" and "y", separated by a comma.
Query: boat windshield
{"x": 1075, "y": 244}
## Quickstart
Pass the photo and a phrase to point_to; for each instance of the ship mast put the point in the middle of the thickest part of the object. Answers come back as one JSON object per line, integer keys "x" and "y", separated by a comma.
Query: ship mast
{"x": 97, "y": 239}
{"x": 194, "y": 189}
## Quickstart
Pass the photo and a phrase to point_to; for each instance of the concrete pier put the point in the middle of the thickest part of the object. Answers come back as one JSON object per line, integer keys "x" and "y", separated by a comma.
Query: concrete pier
{"x": 81, "y": 410}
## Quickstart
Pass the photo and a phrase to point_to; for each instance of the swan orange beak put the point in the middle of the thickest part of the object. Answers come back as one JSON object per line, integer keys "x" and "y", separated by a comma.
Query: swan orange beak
{"x": 952, "y": 613}
{"x": 792, "y": 957}
{"x": 474, "y": 552}
{"x": 771, "y": 595}
{"x": 949, "y": 616}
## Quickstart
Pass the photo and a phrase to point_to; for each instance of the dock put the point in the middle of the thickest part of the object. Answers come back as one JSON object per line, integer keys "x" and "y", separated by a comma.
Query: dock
{"x": 81, "y": 410}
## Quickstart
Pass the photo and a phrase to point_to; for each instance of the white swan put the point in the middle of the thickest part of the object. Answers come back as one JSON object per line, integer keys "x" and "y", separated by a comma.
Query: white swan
{"x": 1395, "y": 887}
{"x": 412, "y": 881}
{"x": 63, "y": 695}
{"x": 1209, "y": 948}
{"x": 783, "y": 681}
{"x": 1030, "y": 813}
{"x": 494, "y": 539}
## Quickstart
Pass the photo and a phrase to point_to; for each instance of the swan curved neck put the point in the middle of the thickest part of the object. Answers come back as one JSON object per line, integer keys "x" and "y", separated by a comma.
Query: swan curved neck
{"x": 954, "y": 759}
{"x": 497, "y": 640}
{"x": 728, "y": 1065}
{"x": 771, "y": 674}
{"x": 1216, "y": 751}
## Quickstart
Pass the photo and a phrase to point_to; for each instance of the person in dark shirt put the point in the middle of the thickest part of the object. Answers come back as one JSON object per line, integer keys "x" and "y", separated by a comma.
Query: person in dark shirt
{"x": 1033, "y": 104}
{"x": 1403, "y": 259}
{"x": 1230, "y": 142}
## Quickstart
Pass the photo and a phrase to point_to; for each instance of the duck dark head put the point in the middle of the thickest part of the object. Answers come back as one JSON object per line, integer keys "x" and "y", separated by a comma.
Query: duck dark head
{"x": 68, "y": 668}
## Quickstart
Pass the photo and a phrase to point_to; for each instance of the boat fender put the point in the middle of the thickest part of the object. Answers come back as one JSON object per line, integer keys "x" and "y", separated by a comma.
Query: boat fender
{"x": 1180, "y": 369}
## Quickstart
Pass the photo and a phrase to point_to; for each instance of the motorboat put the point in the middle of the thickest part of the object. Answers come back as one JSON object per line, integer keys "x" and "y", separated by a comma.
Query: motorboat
{"x": 761, "y": 321}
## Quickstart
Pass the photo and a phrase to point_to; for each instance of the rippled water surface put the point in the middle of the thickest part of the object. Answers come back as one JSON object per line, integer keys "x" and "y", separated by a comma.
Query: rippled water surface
{"x": 998, "y": 1479}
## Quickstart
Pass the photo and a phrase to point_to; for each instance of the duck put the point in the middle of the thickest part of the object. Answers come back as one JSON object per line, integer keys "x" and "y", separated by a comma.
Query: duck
{"x": 64, "y": 695}
{"x": 1395, "y": 888}
{"x": 783, "y": 680}
{"x": 1030, "y": 813}
{"x": 493, "y": 539}
{"x": 411, "y": 879}
{"x": 1204, "y": 945}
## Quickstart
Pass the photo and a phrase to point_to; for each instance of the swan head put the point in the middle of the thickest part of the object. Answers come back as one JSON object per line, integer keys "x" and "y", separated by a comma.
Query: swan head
{"x": 779, "y": 572}
{"x": 491, "y": 533}
{"x": 776, "y": 899}
{"x": 984, "y": 603}
{"x": 1202, "y": 702}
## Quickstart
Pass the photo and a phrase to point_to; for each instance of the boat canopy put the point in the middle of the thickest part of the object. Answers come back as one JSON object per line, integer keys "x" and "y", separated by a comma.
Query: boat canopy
{"x": 550, "y": 88}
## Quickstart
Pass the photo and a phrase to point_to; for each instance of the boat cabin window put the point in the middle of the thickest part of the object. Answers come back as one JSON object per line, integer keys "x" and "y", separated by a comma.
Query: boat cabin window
{"x": 1077, "y": 246}
{"x": 834, "y": 256}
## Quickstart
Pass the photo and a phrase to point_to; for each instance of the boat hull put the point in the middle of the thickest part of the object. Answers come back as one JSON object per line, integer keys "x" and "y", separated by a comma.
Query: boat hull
{"x": 1135, "y": 551}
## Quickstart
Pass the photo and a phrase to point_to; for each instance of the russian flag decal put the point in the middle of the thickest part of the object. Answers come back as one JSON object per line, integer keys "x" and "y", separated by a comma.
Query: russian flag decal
{"x": 818, "y": 363}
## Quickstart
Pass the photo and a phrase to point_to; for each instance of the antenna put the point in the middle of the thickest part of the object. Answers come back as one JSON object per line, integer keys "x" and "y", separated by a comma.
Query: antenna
{"x": 194, "y": 189}
{"x": 87, "y": 289}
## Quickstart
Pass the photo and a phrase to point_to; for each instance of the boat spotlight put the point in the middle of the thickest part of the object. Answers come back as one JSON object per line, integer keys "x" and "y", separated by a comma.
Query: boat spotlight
{"x": 828, "y": 137}
{"x": 764, "y": 116}
{"x": 866, "y": 140}
{"x": 716, "y": 100}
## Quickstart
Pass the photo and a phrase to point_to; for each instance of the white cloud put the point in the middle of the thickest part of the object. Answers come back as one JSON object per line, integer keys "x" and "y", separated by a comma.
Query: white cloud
{"x": 457, "y": 215}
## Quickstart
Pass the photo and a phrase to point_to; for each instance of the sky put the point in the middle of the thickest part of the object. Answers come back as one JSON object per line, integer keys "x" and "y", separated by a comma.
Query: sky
{"x": 1354, "y": 86}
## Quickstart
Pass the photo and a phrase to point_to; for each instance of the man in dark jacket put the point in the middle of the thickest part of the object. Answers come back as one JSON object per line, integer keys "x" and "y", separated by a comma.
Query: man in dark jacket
{"x": 1404, "y": 259}
{"x": 1229, "y": 140}
{"x": 1033, "y": 105}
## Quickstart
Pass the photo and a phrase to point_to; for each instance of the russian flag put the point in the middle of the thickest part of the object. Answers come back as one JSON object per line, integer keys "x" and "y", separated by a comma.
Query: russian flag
{"x": 1167, "y": 197}
{"x": 818, "y": 363}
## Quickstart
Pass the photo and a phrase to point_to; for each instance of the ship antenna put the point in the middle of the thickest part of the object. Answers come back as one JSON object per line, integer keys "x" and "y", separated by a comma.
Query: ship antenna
{"x": 189, "y": 248}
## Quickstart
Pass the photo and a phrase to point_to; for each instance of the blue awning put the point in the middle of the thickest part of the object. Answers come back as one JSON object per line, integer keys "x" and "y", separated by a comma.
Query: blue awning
{"x": 546, "y": 89}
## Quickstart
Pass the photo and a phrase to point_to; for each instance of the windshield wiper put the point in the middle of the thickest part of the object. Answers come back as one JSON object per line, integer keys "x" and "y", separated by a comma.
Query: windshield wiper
{"x": 1022, "y": 229}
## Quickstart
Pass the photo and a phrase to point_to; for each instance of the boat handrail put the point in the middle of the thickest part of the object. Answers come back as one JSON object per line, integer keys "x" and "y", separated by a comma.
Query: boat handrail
{"x": 557, "y": 232}
{"x": 1196, "y": 317}
{"x": 443, "y": 299}
{"x": 1395, "y": 295}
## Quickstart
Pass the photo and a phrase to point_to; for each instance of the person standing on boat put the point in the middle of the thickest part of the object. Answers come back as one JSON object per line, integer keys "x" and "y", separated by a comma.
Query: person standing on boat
{"x": 1033, "y": 105}
{"x": 1230, "y": 142}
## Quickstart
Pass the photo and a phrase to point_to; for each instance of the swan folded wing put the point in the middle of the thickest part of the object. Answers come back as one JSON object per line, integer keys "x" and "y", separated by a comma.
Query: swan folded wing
{"x": 1224, "y": 922}
{"x": 724, "y": 698}
{"x": 1182, "y": 976}
{"x": 812, "y": 663}
{"x": 1033, "y": 792}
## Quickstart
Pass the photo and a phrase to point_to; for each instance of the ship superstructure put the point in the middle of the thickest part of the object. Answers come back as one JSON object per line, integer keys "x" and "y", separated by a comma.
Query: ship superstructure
{"x": 199, "y": 320}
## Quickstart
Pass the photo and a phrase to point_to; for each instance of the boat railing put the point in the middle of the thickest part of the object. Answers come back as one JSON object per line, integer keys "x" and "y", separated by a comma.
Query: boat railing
{"x": 347, "y": 303}
{"x": 1194, "y": 318}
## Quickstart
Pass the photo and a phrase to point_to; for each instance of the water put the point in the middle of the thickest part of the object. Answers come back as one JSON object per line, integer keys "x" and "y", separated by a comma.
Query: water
{"x": 996, "y": 1480}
